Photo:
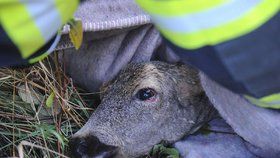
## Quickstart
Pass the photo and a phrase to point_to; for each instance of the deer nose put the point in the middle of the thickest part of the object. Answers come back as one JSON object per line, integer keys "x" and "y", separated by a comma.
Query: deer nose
{"x": 90, "y": 146}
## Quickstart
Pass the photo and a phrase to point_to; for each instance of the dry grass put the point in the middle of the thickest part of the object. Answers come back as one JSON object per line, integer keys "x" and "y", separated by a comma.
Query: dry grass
{"x": 38, "y": 128}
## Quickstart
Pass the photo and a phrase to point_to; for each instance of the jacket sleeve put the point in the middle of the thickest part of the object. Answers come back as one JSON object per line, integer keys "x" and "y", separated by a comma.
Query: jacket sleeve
{"x": 29, "y": 30}
{"x": 234, "y": 42}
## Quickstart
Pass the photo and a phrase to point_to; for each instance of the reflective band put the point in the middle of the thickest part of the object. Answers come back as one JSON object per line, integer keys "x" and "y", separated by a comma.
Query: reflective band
{"x": 271, "y": 101}
{"x": 216, "y": 25}
{"x": 178, "y": 7}
{"x": 21, "y": 28}
{"x": 45, "y": 15}
{"x": 208, "y": 19}
{"x": 66, "y": 8}
{"x": 49, "y": 51}
{"x": 32, "y": 24}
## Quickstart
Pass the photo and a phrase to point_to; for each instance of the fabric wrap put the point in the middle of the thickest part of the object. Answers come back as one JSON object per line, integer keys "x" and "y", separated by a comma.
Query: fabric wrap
{"x": 117, "y": 33}
{"x": 259, "y": 126}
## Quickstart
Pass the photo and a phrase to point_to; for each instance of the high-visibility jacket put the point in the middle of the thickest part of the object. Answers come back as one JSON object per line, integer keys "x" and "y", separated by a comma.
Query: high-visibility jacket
{"x": 235, "y": 42}
{"x": 29, "y": 28}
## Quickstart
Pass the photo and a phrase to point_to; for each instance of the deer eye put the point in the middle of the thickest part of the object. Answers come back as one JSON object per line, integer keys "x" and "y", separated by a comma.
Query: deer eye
{"x": 146, "y": 94}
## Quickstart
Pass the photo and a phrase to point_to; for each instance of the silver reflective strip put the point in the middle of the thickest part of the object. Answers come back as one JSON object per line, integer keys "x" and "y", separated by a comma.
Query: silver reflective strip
{"x": 274, "y": 102}
{"x": 211, "y": 18}
{"x": 45, "y": 16}
{"x": 55, "y": 43}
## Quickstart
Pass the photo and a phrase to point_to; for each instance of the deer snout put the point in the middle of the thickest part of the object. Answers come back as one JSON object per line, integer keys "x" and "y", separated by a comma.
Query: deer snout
{"x": 91, "y": 147}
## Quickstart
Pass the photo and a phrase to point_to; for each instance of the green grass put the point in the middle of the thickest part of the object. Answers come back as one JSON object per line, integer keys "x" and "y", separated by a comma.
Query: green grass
{"x": 30, "y": 125}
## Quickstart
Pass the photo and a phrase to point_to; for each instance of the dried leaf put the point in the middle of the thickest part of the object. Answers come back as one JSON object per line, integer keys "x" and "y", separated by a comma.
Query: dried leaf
{"x": 76, "y": 33}
{"x": 29, "y": 95}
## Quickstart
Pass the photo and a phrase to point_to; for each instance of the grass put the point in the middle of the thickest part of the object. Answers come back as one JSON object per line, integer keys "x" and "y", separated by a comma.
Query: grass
{"x": 40, "y": 108}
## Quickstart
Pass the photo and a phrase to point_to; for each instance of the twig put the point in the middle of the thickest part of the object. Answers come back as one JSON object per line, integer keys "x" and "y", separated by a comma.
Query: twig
{"x": 26, "y": 143}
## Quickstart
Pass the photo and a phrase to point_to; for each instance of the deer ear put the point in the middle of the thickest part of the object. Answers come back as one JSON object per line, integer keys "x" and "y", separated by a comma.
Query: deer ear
{"x": 191, "y": 96}
{"x": 188, "y": 87}
{"x": 188, "y": 94}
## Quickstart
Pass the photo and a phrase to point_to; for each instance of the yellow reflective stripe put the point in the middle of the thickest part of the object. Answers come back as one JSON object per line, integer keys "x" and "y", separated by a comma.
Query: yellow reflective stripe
{"x": 271, "y": 101}
{"x": 66, "y": 8}
{"x": 39, "y": 58}
{"x": 49, "y": 51}
{"x": 177, "y": 7}
{"x": 212, "y": 36}
{"x": 21, "y": 28}
{"x": 271, "y": 98}
{"x": 45, "y": 16}
{"x": 195, "y": 22}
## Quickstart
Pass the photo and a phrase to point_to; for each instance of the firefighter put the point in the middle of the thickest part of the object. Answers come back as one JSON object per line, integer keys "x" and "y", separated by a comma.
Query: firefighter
{"x": 29, "y": 30}
{"x": 235, "y": 42}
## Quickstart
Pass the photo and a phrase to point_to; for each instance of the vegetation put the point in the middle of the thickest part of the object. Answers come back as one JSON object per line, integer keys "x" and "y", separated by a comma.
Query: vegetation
{"x": 40, "y": 108}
